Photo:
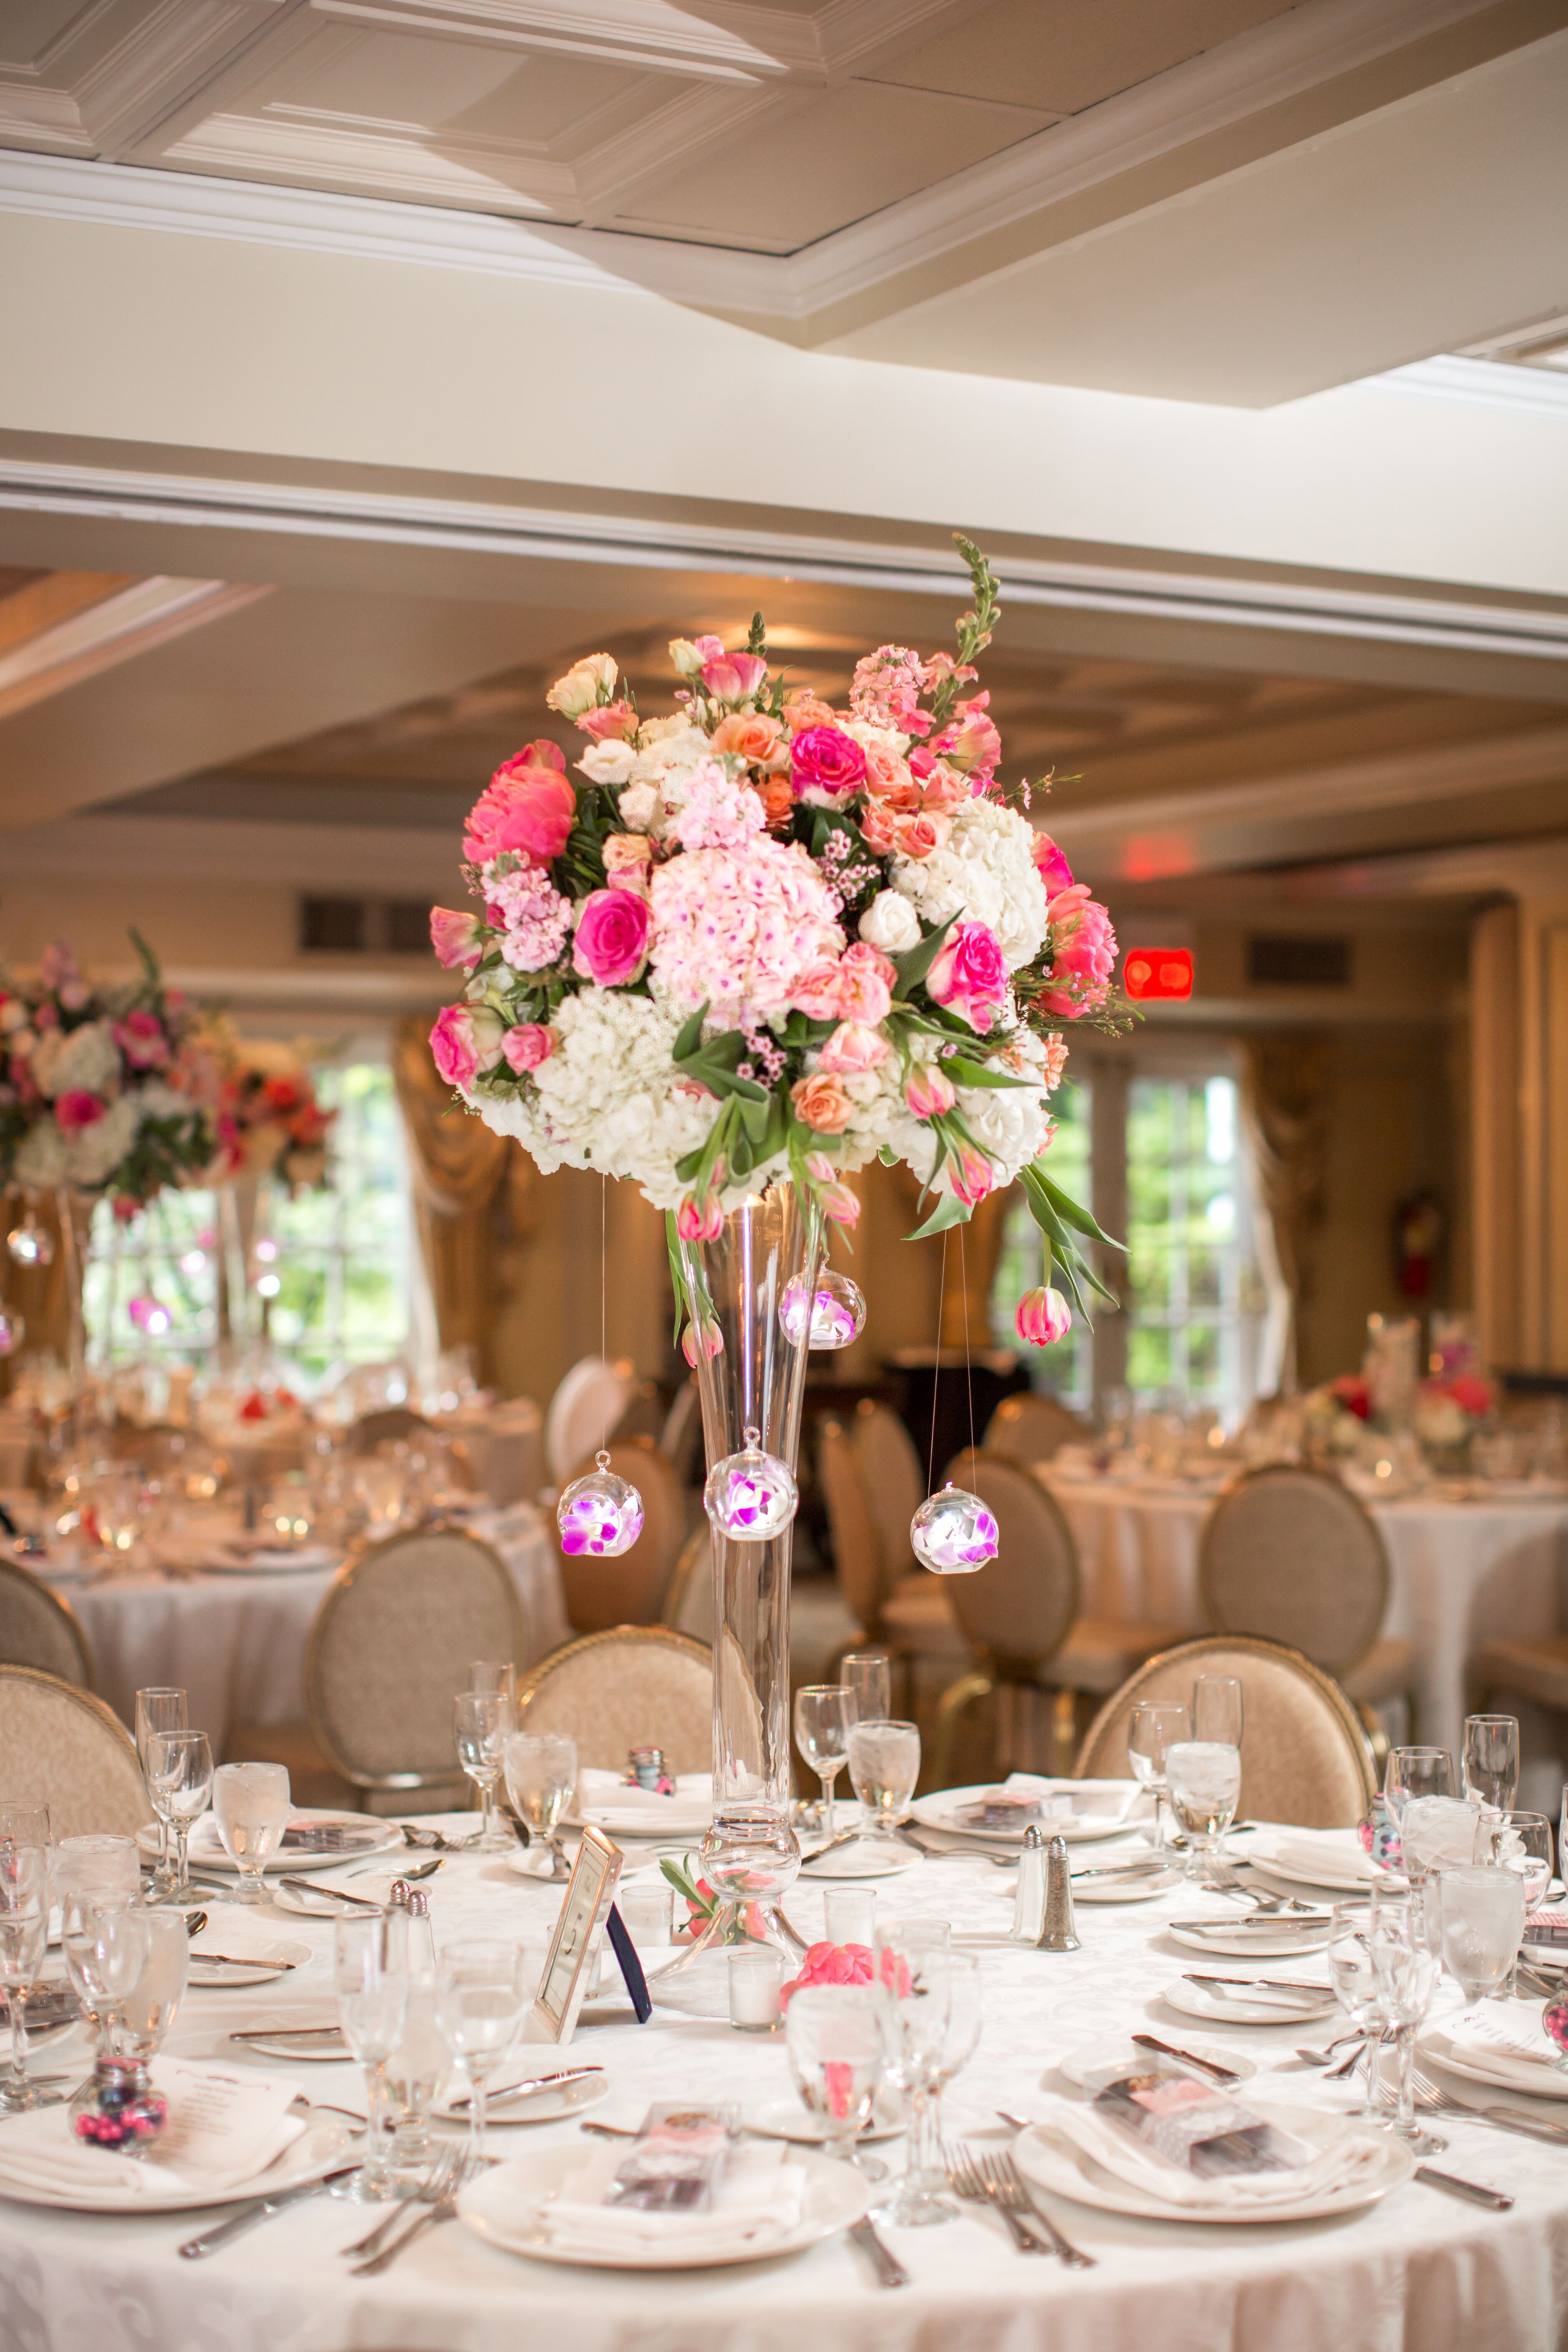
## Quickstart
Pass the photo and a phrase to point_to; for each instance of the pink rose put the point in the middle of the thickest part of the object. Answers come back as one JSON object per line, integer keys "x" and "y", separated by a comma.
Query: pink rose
{"x": 853, "y": 1048}
{"x": 528, "y": 806}
{"x": 755, "y": 736}
{"x": 611, "y": 945}
{"x": 830, "y": 1964}
{"x": 1050, "y": 865}
{"x": 1043, "y": 1318}
{"x": 77, "y": 1109}
{"x": 973, "y": 1175}
{"x": 700, "y": 1220}
{"x": 140, "y": 1037}
{"x": 609, "y": 719}
{"x": 1082, "y": 940}
{"x": 456, "y": 938}
{"x": 530, "y": 1042}
{"x": 626, "y": 856}
{"x": 828, "y": 766}
{"x": 929, "y": 1091}
{"x": 920, "y": 837}
{"x": 886, "y": 775}
{"x": 733, "y": 677}
{"x": 815, "y": 993}
{"x": 467, "y": 1039}
{"x": 867, "y": 979}
{"x": 970, "y": 976}
{"x": 941, "y": 786}
{"x": 821, "y": 1103}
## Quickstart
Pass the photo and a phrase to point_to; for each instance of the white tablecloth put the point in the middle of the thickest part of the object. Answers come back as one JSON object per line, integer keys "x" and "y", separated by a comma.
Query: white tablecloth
{"x": 236, "y": 1643}
{"x": 1464, "y": 1573}
{"x": 1418, "y": 2272}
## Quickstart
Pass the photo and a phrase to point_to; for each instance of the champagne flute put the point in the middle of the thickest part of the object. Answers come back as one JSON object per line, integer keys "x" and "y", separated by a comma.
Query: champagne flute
{"x": 480, "y": 1725}
{"x": 884, "y": 1765}
{"x": 1406, "y": 1968}
{"x": 823, "y": 1715}
{"x": 914, "y": 1994}
{"x": 23, "y": 1933}
{"x": 965, "y": 2016}
{"x": 868, "y": 1676}
{"x": 495, "y": 1678}
{"x": 105, "y": 1937}
{"x": 1491, "y": 1761}
{"x": 482, "y": 2000}
{"x": 180, "y": 1779}
{"x": 1218, "y": 1709}
{"x": 1205, "y": 1779}
{"x": 159, "y": 1708}
{"x": 834, "y": 2038}
{"x": 1416, "y": 1772}
{"x": 251, "y": 1807}
{"x": 369, "y": 1976}
{"x": 541, "y": 1778}
{"x": 1151, "y": 1732}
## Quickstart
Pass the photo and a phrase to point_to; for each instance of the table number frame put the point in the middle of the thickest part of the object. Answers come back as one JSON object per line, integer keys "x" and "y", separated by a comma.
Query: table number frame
{"x": 563, "y": 1982}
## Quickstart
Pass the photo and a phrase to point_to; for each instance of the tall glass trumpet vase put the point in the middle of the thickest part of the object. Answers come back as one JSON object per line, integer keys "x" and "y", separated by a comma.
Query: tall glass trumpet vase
{"x": 750, "y": 1354}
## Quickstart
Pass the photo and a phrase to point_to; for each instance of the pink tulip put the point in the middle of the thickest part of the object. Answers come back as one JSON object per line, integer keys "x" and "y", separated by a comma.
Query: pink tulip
{"x": 713, "y": 1343}
{"x": 973, "y": 1175}
{"x": 454, "y": 937}
{"x": 929, "y": 1091}
{"x": 733, "y": 677}
{"x": 971, "y": 741}
{"x": 1043, "y": 1318}
{"x": 700, "y": 1220}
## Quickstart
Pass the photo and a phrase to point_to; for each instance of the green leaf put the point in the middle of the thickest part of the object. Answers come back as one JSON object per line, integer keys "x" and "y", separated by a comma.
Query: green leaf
{"x": 976, "y": 1074}
{"x": 1071, "y": 1212}
{"x": 914, "y": 963}
{"x": 949, "y": 1211}
{"x": 691, "y": 1035}
{"x": 888, "y": 1156}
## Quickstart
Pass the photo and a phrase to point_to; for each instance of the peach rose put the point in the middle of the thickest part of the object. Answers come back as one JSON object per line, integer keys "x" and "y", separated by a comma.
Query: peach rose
{"x": 626, "y": 856}
{"x": 803, "y": 710}
{"x": 778, "y": 801}
{"x": 852, "y": 1047}
{"x": 753, "y": 736}
{"x": 920, "y": 837}
{"x": 821, "y": 1103}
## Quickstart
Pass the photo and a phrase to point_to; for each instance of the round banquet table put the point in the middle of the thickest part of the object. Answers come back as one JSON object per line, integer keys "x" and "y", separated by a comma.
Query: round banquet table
{"x": 1418, "y": 2272}
{"x": 1463, "y": 1572}
{"x": 236, "y": 1640}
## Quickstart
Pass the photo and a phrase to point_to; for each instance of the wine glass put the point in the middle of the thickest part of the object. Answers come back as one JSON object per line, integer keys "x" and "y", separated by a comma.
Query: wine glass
{"x": 1482, "y": 1914}
{"x": 483, "y": 1997}
{"x": 1151, "y": 1732}
{"x": 913, "y": 1982}
{"x": 1521, "y": 1843}
{"x": 144, "y": 2013}
{"x": 823, "y": 1715}
{"x": 479, "y": 1725}
{"x": 23, "y": 1933}
{"x": 1491, "y": 1761}
{"x": 541, "y": 1778}
{"x": 179, "y": 1779}
{"x": 369, "y": 1976}
{"x": 495, "y": 1678}
{"x": 834, "y": 2037}
{"x": 1416, "y": 1772}
{"x": 159, "y": 1708}
{"x": 884, "y": 1765}
{"x": 965, "y": 2016}
{"x": 1354, "y": 1980}
{"x": 1218, "y": 1709}
{"x": 1204, "y": 1781}
{"x": 251, "y": 1807}
{"x": 105, "y": 1938}
{"x": 868, "y": 1676}
{"x": 1405, "y": 1969}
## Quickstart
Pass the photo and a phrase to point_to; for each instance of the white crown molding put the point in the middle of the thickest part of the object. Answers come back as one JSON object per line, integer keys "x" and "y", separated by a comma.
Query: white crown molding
{"x": 461, "y": 172}
{"x": 116, "y": 630}
{"x": 1436, "y": 618}
{"x": 1479, "y": 384}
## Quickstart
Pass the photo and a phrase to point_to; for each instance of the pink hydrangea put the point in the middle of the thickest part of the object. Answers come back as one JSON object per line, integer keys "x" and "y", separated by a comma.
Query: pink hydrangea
{"x": 532, "y": 913}
{"x": 969, "y": 976}
{"x": 736, "y": 928}
{"x": 717, "y": 813}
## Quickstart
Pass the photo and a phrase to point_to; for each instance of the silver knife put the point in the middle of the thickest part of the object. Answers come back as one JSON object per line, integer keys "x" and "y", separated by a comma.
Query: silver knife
{"x": 1267, "y": 1984}
{"x": 1470, "y": 2189}
{"x": 263, "y": 2210}
{"x": 334, "y": 1893}
{"x": 528, "y": 2090}
{"x": 1533, "y": 2126}
{"x": 845, "y": 1837}
{"x": 1188, "y": 2058}
{"x": 889, "y": 2271}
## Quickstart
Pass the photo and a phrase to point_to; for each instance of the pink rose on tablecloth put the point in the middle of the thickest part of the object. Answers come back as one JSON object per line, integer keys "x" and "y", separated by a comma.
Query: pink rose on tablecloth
{"x": 969, "y": 976}
{"x": 830, "y": 1964}
{"x": 454, "y": 937}
{"x": 828, "y": 766}
{"x": 611, "y": 944}
{"x": 530, "y": 1042}
{"x": 853, "y": 1048}
{"x": 77, "y": 1109}
{"x": 143, "y": 1039}
{"x": 528, "y": 806}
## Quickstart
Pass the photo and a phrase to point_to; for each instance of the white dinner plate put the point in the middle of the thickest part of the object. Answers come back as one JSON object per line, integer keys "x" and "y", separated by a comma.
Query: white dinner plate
{"x": 1054, "y": 2163}
{"x": 868, "y": 1857}
{"x": 1239, "y": 2009}
{"x": 1342, "y": 1877}
{"x": 937, "y": 1811}
{"x": 1228, "y": 1941}
{"x": 787, "y": 2119}
{"x": 539, "y": 2106}
{"x": 297, "y": 2045}
{"x": 323, "y": 2145}
{"x": 502, "y": 2205}
{"x": 1130, "y": 1889}
{"x": 208, "y": 1853}
{"x": 266, "y": 1959}
{"x": 1090, "y": 2056}
{"x": 1499, "y": 2072}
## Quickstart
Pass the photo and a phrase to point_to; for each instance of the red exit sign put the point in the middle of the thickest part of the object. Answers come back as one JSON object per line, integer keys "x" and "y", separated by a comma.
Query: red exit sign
{"x": 1158, "y": 971}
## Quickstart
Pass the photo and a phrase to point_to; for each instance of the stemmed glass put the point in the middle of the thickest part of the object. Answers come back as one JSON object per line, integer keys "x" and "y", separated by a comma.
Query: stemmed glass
{"x": 965, "y": 2016}
{"x": 23, "y": 1821}
{"x": 370, "y": 1973}
{"x": 1354, "y": 1980}
{"x": 481, "y": 1722}
{"x": 1482, "y": 1914}
{"x": 483, "y": 1997}
{"x": 913, "y": 1981}
{"x": 495, "y": 1678}
{"x": 179, "y": 1771}
{"x": 834, "y": 2037}
{"x": 1416, "y": 1772}
{"x": 23, "y": 1933}
{"x": 884, "y": 1765}
{"x": 868, "y": 1676}
{"x": 1205, "y": 1780}
{"x": 1151, "y": 1732}
{"x": 823, "y": 1713}
{"x": 251, "y": 1807}
{"x": 541, "y": 1778}
{"x": 1218, "y": 1709}
{"x": 145, "y": 2012}
{"x": 1521, "y": 1843}
{"x": 1491, "y": 1761}
{"x": 106, "y": 1939}
{"x": 159, "y": 1709}
{"x": 1405, "y": 1969}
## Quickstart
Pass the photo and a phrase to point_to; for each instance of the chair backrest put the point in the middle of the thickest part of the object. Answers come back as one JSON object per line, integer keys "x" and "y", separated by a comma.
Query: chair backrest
{"x": 587, "y": 1406}
{"x": 385, "y": 1426}
{"x": 644, "y": 1414}
{"x": 638, "y": 1687}
{"x": 894, "y": 1482}
{"x": 681, "y": 1442}
{"x": 1304, "y": 1756}
{"x": 38, "y": 1628}
{"x": 689, "y": 1596}
{"x": 63, "y": 1748}
{"x": 391, "y": 1648}
{"x": 1029, "y": 1428}
{"x": 629, "y": 1589}
{"x": 856, "y": 1550}
{"x": 1290, "y": 1555}
{"x": 1019, "y": 1608}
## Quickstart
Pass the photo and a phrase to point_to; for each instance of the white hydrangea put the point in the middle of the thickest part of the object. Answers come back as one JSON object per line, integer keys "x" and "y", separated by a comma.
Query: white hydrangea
{"x": 672, "y": 749}
{"x": 87, "y": 1059}
{"x": 1010, "y": 1124}
{"x": 85, "y": 1160}
{"x": 984, "y": 873}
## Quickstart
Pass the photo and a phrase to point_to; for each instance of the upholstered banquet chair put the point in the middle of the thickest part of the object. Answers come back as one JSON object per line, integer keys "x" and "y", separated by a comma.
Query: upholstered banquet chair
{"x": 1030, "y": 1428}
{"x": 38, "y": 1629}
{"x": 65, "y": 1748}
{"x": 1290, "y": 1554}
{"x": 1020, "y": 1613}
{"x": 1305, "y": 1758}
{"x": 908, "y": 1614}
{"x": 638, "y": 1686}
{"x": 629, "y": 1589}
{"x": 894, "y": 1481}
{"x": 1535, "y": 1670}
{"x": 584, "y": 1409}
{"x": 389, "y": 1651}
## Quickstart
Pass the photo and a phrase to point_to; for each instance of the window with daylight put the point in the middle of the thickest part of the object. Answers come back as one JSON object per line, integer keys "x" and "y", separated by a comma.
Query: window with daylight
{"x": 334, "y": 1265}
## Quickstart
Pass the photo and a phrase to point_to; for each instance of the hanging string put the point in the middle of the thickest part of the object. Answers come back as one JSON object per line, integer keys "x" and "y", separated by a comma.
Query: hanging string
{"x": 968, "y": 1369}
{"x": 603, "y": 1284}
{"x": 936, "y": 1372}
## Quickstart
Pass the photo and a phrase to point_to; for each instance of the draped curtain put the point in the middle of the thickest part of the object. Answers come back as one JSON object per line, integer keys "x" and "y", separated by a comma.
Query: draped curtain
{"x": 1285, "y": 1101}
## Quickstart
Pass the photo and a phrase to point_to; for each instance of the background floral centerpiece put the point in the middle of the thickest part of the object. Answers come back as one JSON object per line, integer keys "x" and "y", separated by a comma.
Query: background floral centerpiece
{"x": 269, "y": 1121}
{"x": 762, "y": 938}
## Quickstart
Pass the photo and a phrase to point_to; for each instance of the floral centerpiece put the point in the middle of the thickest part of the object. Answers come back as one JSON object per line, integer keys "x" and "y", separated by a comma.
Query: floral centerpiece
{"x": 269, "y": 1121}
{"x": 762, "y": 939}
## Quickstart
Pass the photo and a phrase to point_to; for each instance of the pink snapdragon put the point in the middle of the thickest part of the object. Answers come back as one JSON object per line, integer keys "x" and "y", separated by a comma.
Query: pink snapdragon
{"x": 886, "y": 687}
{"x": 529, "y": 1045}
{"x": 1043, "y": 1318}
{"x": 828, "y": 767}
{"x": 969, "y": 976}
{"x": 611, "y": 945}
{"x": 143, "y": 1040}
{"x": 929, "y": 1091}
{"x": 852, "y": 1048}
{"x": 527, "y": 807}
{"x": 454, "y": 937}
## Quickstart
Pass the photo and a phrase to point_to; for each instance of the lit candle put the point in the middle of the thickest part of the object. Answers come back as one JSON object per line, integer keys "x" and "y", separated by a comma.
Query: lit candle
{"x": 755, "y": 1975}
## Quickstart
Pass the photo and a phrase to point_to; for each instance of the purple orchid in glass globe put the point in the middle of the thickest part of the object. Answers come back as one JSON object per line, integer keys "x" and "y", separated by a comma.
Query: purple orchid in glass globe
{"x": 953, "y": 1532}
{"x": 832, "y": 1316}
{"x": 749, "y": 1495}
{"x": 599, "y": 1513}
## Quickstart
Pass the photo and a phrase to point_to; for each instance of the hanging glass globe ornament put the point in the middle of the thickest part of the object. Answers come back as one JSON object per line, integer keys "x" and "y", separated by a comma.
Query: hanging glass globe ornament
{"x": 599, "y": 1513}
{"x": 954, "y": 1533}
{"x": 12, "y": 1331}
{"x": 29, "y": 1244}
{"x": 836, "y": 1309}
{"x": 750, "y": 1495}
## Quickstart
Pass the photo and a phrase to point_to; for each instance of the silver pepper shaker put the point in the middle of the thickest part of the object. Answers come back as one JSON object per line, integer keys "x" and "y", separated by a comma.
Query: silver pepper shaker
{"x": 1029, "y": 1903}
{"x": 1059, "y": 1934}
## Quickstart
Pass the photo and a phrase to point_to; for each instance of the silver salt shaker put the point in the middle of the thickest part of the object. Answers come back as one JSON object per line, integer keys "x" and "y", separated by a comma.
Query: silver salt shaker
{"x": 1059, "y": 1934}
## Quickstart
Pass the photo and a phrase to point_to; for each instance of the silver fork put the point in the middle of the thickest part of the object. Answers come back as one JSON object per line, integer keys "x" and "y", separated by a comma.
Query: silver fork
{"x": 439, "y": 2209}
{"x": 1006, "y": 2184}
{"x": 966, "y": 2180}
{"x": 437, "y": 2180}
{"x": 1434, "y": 2100}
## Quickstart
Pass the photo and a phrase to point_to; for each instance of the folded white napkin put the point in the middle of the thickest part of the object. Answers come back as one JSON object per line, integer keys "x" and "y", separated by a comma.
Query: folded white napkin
{"x": 1332, "y": 1856}
{"x": 225, "y": 2127}
{"x": 1351, "y": 2158}
{"x": 1505, "y": 2028}
{"x": 1109, "y": 1802}
{"x": 759, "y": 2199}
{"x": 605, "y": 1798}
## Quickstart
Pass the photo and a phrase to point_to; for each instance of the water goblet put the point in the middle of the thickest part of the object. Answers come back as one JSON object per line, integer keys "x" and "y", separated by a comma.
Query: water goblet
{"x": 823, "y": 1715}
{"x": 1416, "y": 1772}
{"x": 179, "y": 1779}
{"x": 913, "y": 1983}
{"x": 1218, "y": 1709}
{"x": 834, "y": 2037}
{"x": 479, "y": 1727}
{"x": 1521, "y": 1843}
{"x": 1151, "y": 1732}
{"x": 1491, "y": 1761}
{"x": 868, "y": 1676}
{"x": 369, "y": 1976}
{"x": 24, "y": 1934}
{"x": 1405, "y": 1969}
{"x": 23, "y": 1821}
{"x": 483, "y": 1997}
{"x": 159, "y": 1708}
{"x": 1482, "y": 1914}
{"x": 105, "y": 1938}
{"x": 884, "y": 1765}
{"x": 1354, "y": 1981}
{"x": 145, "y": 2012}
{"x": 1204, "y": 1781}
{"x": 251, "y": 1807}
{"x": 541, "y": 1779}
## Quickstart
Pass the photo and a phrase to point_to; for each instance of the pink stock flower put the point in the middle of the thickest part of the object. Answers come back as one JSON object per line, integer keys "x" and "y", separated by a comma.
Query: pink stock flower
{"x": 733, "y": 677}
{"x": 611, "y": 945}
{"x": 973, "y": 1175}
{"x": 929, "y": 1091}
{"x": 454, "y": 937}
{"x": 830, "y": 1964}
{"x": 1082, "y": 941}
{"x": 626, "y": 856}
{"x": 467, "y": 1039}
{"x": 700, "y": 1220}
{"x": 77, "y": 1109}
{"x": 853, "y": 1048}
{"x": 528, "y": 806}
{"x": 532, "y": 915}
{"x": 828, "y": 766}
{"x": 821, "y": 1104}
{"x": 1043, "y": 1318}
{"x": 969, "y": 976}
{"x": 1050, "y": 865}
{"x": 142, "y": 1038}
{"x": 885, "y": 690}
{"x": 608, "y": 719}
{"x": 530, "y": 1042}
